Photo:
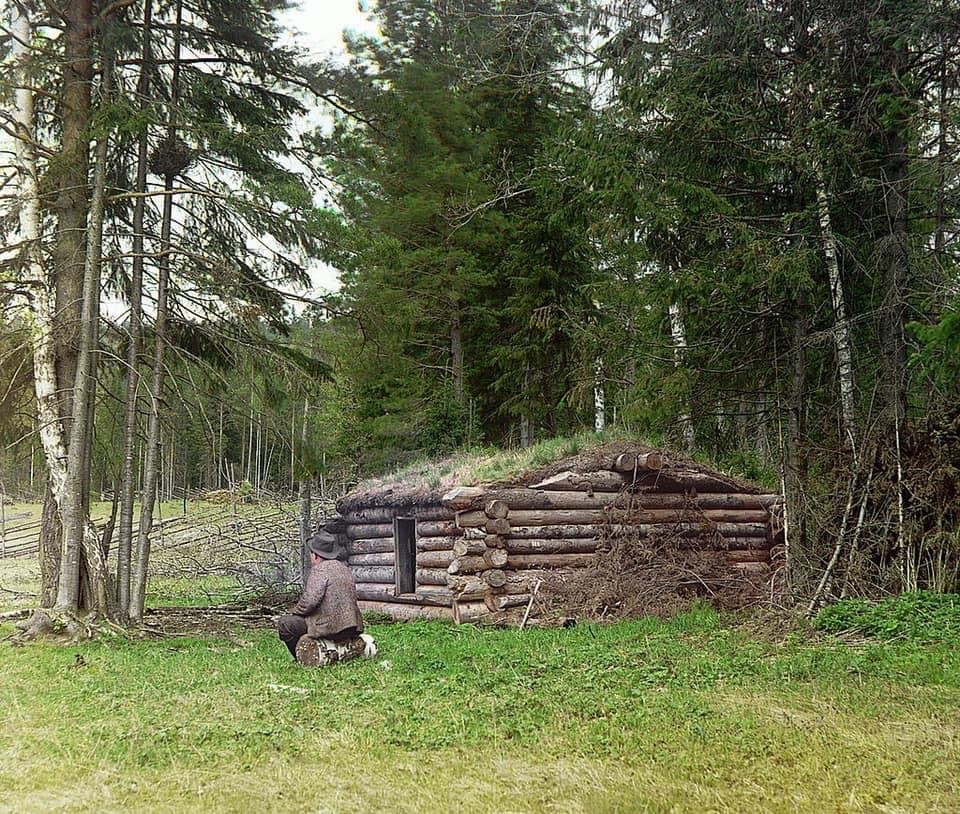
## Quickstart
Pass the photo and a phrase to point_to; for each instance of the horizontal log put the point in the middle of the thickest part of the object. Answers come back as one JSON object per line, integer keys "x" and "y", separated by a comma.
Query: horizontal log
{"x": 603, "y": 481}
{"x": 556, "y": 517}
{"x": 373, "y": 573}
{"x": 467, "y": 565}
{"x": 522, "y": 582}
{"x": 371, "y": 515}
{"x": 599, "y": 531}
{"x": 435, "y": 559}
{"x": 463, "y": 547}
{"x": 495, "y": 541}
{"x": 630, "y": 462}
{"x": 559, "y": 531}
{"x": 501, "y": 602}
{"x": 371, "y": 546}
{"x": 436, "y": 543}
{"x": 383, "y": 558}
{"x": 405, "y": 612}
{"x": 556, "y": 546}
{"x": 471, "y": 518}
{"x": 428, "y": 528}
{"x": 366, "y": 531}
{"x": 431, "y": 576}
{"x": 474, "y": 533}
{"x": 495, "y": 578}
{"x": 375, "y": 592}
{"x": 557, "y": 499}
{"x": 521, "y": 561}
{"x": 385, "y": 514}
{"x": 536, "y": 499}
{"x": 438, "y": 528}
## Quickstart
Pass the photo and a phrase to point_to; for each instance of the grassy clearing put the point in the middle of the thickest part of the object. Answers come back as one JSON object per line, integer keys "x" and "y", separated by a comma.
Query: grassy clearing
{"x": 686, "y": 715}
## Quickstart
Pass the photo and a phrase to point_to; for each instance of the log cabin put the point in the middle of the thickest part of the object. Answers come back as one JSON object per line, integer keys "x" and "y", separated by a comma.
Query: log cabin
{"x": 479, "y": 552}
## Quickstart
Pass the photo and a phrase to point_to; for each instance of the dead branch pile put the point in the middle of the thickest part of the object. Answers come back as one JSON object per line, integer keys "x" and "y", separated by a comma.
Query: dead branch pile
{"x": 660, "y": 575}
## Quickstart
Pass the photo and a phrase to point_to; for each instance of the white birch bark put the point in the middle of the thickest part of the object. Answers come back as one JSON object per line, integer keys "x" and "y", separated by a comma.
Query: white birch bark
{"x": 599, "y": 398}
{"x": 41, "y": 290}
{"x": 679, "y": 335}
{"x": 841, "y": 329}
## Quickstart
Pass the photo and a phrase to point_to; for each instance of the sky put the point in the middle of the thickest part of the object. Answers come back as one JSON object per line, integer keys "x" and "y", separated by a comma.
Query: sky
{"x": 317, "y": 26}
{"x": 320, "y": 23}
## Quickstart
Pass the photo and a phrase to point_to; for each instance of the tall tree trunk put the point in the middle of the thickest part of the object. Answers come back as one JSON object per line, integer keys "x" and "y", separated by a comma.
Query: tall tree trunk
{"x": 69, "y": 203}
{"x": 135, "y": 330}
{"x": 139, "y": 567}
{"x": 795, "y": 457}
{"x": 152, "y": 464}
{"x": 599, "y": 397}
{"x": 79, "y": 536}
{"x": 456, "y": 358}
{"x": 841, "y": 326}
{"x": 679, "y": 335}
{"x": 42, "y": 299}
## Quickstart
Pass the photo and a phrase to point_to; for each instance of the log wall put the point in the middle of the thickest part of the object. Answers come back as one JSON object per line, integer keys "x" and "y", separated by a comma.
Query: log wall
{"x": 370, "y": 548}
{"x": 484, "y": 551}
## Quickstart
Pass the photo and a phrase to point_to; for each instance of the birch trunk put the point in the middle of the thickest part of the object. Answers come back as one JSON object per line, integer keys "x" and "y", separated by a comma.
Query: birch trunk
{"x": 841, "y": 329}
{"x": 599, "y": 398}
{"x": 679, "y": 335}
{"x": 42, "y": 296}
{"x": 41, "y": 303}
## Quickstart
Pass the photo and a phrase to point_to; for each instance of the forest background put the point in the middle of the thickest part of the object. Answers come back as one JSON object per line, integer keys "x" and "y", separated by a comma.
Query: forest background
{"x": 728, "y": 228}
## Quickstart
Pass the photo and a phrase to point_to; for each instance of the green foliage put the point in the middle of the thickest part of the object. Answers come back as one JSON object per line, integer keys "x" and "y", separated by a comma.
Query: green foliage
{"x": 448, "y": 426}
{"x": 939, "y": 354}
{"x": 466, "y": 270}
{"x": 923, "y": 616}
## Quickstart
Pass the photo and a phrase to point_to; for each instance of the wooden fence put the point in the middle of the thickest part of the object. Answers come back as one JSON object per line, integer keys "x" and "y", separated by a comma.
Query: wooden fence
{"x": 215, "y": 533}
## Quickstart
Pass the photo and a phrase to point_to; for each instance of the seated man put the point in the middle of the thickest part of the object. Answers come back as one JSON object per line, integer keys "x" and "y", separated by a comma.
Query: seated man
{"x": 325, "y": 626}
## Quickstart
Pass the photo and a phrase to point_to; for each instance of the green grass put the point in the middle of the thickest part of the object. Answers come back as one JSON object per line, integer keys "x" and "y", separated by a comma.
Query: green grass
{"x": 686, "y": 715}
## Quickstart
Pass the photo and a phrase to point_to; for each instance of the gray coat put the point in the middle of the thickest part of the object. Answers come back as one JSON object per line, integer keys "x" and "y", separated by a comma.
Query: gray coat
{"x": 329, "y": 600}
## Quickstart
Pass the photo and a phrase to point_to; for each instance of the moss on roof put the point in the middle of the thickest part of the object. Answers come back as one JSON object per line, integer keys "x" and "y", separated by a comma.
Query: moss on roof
{"x": 426, "y": 482}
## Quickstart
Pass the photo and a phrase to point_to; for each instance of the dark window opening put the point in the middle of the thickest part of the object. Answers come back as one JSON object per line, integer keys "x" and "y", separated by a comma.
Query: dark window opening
{"x": 405, "y": 554}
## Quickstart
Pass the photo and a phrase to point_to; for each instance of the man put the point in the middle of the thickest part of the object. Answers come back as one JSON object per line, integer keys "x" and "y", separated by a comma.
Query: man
{"x": 325, "y": 625}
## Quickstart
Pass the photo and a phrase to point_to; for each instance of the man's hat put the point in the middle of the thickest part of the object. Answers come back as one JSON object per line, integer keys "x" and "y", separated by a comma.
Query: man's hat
{"x": 324, "y": 544}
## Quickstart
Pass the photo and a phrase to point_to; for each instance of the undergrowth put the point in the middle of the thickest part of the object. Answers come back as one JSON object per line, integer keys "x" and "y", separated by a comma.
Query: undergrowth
{"x": 922, "y": 616}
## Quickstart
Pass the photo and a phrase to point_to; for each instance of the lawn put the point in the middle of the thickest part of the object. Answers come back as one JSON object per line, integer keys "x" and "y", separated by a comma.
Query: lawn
{"x": 699, "y": 713}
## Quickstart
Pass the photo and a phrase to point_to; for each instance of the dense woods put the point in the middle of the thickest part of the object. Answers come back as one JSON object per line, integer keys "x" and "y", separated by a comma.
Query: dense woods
{"x": 723, "y": 227}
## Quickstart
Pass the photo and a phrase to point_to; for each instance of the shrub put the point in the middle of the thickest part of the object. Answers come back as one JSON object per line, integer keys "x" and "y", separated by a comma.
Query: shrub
{"x": 925, "y": 616}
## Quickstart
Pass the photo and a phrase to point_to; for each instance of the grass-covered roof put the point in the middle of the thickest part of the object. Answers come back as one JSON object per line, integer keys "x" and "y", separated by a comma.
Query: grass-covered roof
{"x": 426, "y": 482}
